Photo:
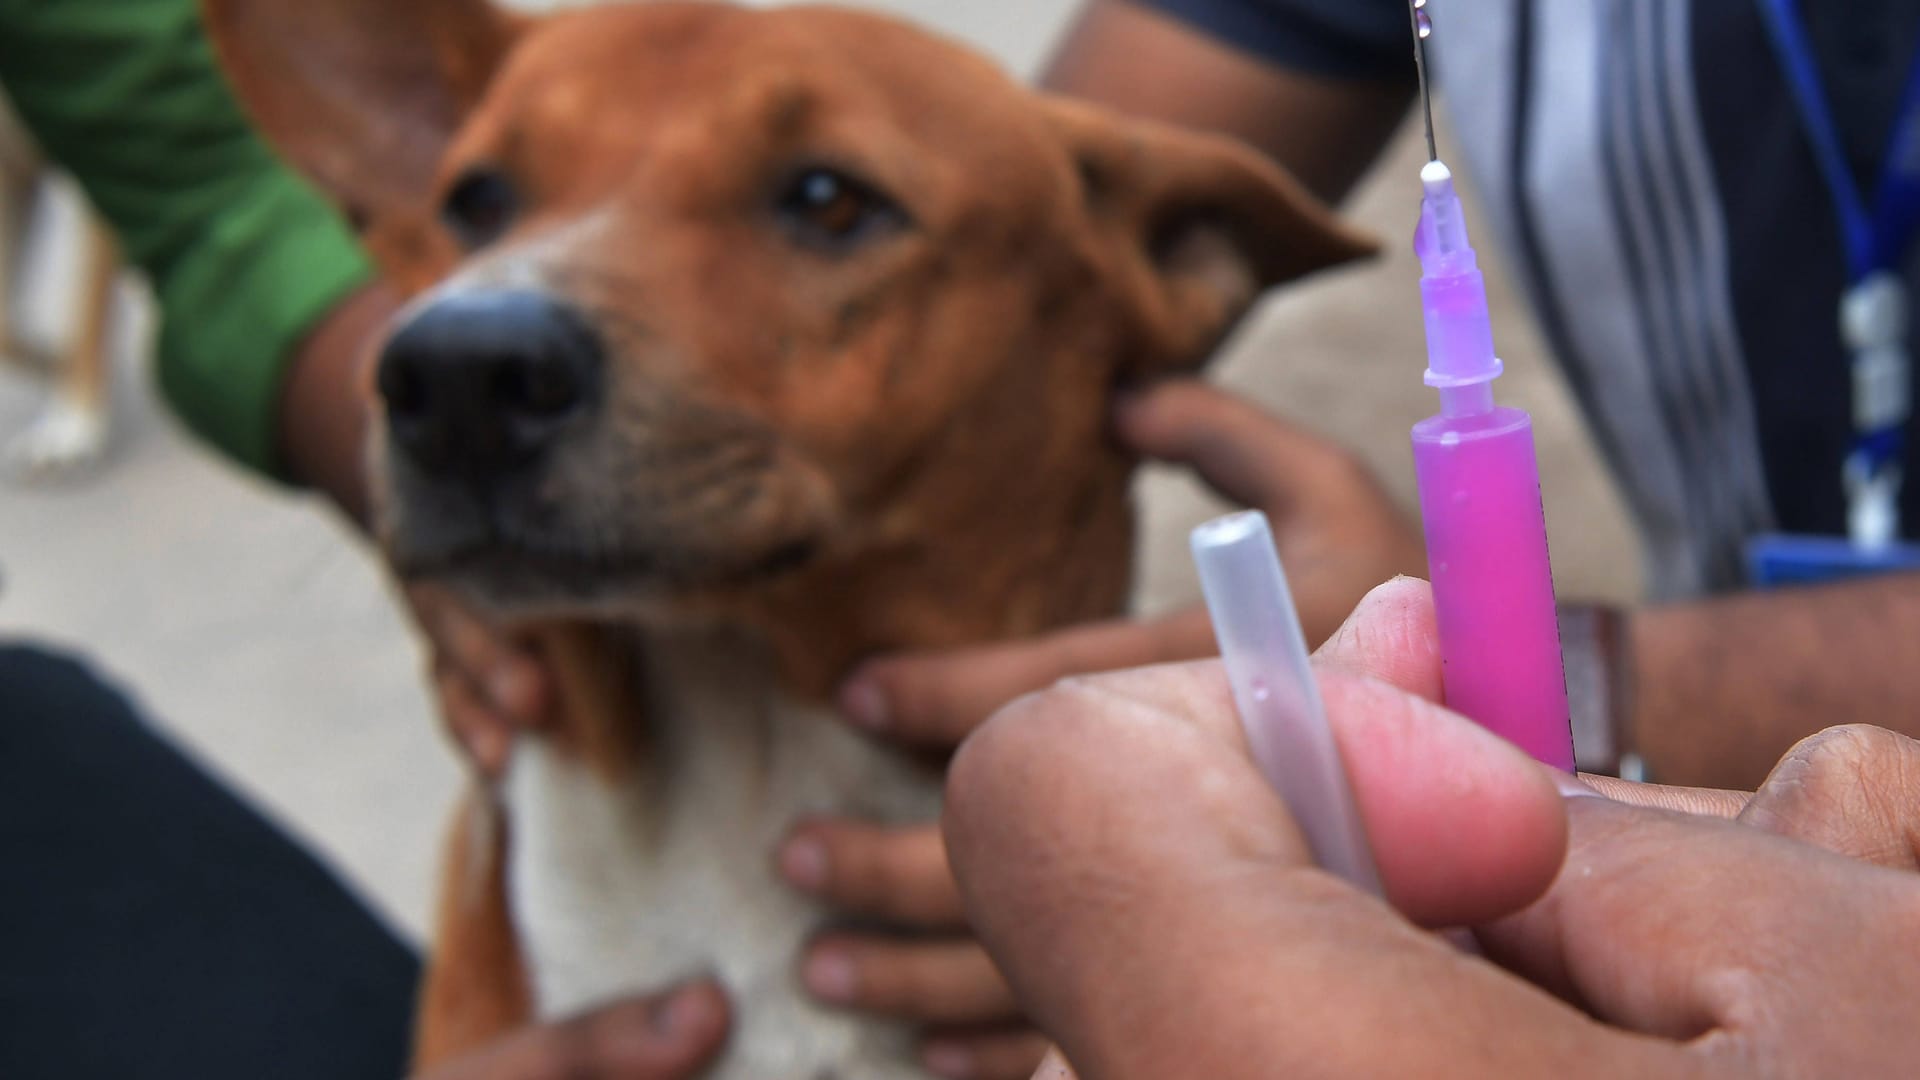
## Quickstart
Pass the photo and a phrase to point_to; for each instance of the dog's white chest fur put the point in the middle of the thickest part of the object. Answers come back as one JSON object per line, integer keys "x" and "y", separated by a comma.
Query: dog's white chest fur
{"x": 629, "y": 887}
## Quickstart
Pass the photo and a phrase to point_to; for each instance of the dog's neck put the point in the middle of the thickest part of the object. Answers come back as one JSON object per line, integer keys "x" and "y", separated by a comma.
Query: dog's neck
{"x": 997, "y": 573}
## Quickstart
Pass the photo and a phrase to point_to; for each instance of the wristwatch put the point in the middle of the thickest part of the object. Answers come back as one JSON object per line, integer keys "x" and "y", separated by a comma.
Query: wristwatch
{"x": 1594, "y": 645}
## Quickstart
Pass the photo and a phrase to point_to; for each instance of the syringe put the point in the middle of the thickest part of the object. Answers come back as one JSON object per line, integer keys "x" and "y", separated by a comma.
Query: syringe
{"x": 1479, "y": 482}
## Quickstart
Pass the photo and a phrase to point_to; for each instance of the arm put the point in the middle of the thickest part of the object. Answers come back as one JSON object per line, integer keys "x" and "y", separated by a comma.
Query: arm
{"x": 326, "y": 405}
{"x": 1327, "y": 129}
{"x": 1718, "y": 689}
{"x": 269, "y": 310}
{"x": 265, "y": 297}
{"x": 1723, "y": 687}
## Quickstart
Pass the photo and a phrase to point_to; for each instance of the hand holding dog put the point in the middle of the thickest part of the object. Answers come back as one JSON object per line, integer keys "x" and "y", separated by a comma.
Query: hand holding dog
{"x": 490, "y": 683}
{"x": 1336, "y": 529}
{"x": 1188, "y": 935}
{"x": 1339, "y": 534}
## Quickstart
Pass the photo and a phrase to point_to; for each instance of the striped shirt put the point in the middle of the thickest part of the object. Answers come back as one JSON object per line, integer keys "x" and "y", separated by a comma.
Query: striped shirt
{"x": 1655, "y": 192}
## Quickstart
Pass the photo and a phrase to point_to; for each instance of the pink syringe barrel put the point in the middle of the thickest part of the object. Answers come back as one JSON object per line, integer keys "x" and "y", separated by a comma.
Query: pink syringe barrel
{"x": 1492, "y": 581}
{"x": 1479, "y": 481}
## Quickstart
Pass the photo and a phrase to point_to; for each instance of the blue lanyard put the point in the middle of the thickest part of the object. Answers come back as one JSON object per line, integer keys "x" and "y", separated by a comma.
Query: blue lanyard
{"x": 1874, "y": 309}
{"x": 1878, "y": 240}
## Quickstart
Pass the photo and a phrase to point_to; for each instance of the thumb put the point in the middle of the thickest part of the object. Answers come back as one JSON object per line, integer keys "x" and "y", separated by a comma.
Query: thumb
{"x": 1392, "y": 637}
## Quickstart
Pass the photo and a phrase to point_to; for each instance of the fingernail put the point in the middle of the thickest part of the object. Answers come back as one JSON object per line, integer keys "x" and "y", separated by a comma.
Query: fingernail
{"x": 1055, "y": 1067}
{"x": 803, "y": 862}
{"x": 1572, "y": 787}
{"x": 866, "y": 705}
{"x": 507, "y": 687}
{"x": 490, "y": 749}
{"x": 1129, "y": 403}
{"x": 949, "y": 1059}
{"x": 1463, "y": 940}
{"x": 831, "y": 976}
{"x": 687, "y": 1010}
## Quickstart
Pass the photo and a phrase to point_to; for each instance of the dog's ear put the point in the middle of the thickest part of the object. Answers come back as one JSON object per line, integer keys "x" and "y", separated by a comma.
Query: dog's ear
{"x": 1201, "y": 224}
{"x": 361, "y": 95}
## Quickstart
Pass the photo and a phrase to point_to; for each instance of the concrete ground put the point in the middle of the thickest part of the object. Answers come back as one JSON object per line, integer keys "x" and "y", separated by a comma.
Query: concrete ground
{"x": 253, "y": 626}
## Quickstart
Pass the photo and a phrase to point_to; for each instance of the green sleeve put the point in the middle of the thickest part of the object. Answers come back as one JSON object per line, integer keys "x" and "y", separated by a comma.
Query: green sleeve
{"x": 243, "y": 256}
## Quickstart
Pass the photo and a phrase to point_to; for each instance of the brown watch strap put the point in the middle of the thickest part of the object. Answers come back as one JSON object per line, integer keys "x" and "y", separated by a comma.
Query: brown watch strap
{"x": 1594, "y": 644}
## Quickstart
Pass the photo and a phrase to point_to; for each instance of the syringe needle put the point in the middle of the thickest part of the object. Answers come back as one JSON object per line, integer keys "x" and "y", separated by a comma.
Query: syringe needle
{"x": 1422, "y": 30}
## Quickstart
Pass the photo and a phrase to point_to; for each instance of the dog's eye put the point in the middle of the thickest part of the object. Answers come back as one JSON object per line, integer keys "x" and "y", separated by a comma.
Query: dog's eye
{"x": 829, "y": 209}
{"x": 479, "y": 207}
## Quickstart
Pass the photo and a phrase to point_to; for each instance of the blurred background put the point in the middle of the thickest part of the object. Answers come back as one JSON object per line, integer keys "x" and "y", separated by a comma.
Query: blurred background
{"x": 260, "y": 631}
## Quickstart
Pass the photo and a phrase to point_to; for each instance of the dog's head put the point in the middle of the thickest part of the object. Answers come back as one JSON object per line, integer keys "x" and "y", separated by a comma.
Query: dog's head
{"x": 711, "y": 302}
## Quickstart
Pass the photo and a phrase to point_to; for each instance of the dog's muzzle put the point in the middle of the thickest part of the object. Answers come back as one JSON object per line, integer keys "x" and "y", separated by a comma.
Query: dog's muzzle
{"x": 478, "y": 385}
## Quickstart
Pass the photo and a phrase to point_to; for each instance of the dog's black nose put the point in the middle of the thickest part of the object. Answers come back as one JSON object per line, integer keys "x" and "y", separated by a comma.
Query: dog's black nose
{"x": 480, "y": 382}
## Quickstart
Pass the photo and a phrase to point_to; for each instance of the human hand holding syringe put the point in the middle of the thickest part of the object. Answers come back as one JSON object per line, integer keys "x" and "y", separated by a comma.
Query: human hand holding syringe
{"x": 1155, "y": 905}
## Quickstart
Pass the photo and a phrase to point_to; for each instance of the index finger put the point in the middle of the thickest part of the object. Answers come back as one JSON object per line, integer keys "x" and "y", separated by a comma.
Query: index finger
{"x": 1246, "y": 454}
{"x": 936, "y": 700}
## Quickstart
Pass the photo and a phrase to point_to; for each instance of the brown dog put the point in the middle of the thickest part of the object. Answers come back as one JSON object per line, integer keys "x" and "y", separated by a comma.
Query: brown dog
{"x": 749, "y": 343}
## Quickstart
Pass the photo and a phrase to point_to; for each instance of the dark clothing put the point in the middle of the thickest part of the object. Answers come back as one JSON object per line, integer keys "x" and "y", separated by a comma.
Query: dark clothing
{"x": 153, "y": 925}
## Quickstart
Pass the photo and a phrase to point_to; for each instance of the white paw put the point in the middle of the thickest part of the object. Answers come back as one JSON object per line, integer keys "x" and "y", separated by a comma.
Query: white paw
{"x": 65, "y": 437}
